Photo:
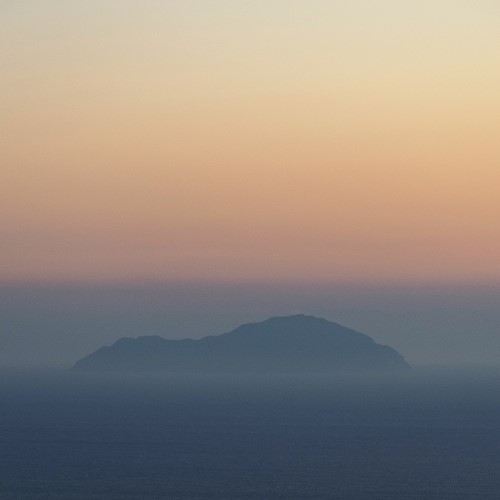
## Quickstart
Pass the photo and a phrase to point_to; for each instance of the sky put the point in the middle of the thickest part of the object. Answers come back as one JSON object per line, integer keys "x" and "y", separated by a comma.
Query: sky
{"x": 314, "y": 146}
{"x": 253, "y": 141}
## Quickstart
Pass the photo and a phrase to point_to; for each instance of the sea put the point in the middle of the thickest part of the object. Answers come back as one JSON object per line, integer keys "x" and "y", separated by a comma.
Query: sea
{"x": 429, "y": 433}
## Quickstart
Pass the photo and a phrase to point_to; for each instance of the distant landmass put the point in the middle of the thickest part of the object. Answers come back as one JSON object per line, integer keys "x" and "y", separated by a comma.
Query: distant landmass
{"x": 290, "y": 344}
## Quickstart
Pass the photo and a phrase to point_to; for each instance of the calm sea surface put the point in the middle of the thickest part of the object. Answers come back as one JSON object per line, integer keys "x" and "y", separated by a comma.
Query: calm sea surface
{"x": 428, "y": 434}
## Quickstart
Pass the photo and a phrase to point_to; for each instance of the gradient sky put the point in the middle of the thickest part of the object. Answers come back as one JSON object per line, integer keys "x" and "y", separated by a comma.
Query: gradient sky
{"x": 250, "y": 141}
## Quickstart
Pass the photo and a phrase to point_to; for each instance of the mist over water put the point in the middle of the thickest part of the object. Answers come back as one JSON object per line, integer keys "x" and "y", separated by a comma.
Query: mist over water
{"x": 59, "y": 324}
{"x": 427, "y": 433}
{"x": 430, "y": 432}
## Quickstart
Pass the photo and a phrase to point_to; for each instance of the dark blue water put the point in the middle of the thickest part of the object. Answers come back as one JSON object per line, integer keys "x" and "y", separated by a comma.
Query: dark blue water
{"x": 430, "y": 434}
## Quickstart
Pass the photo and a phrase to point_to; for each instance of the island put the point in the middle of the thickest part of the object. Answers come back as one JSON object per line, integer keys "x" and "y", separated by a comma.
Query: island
{"x": 288, "y": 344}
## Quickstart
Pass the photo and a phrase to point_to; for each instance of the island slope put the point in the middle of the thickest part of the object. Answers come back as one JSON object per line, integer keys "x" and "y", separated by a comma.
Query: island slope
{"x": 290, "y": 344}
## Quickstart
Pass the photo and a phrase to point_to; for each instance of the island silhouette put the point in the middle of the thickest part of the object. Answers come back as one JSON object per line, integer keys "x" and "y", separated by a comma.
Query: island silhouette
{"x": 287, "y": 344}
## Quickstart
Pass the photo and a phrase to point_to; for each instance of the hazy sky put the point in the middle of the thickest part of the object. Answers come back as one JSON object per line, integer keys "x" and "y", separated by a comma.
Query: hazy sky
{"x": 260, "y": 141}
{"x": 252, "y": 158}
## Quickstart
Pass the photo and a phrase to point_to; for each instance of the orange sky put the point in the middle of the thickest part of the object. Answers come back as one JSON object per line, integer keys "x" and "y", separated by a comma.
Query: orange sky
{"x": 250, "y": 141}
